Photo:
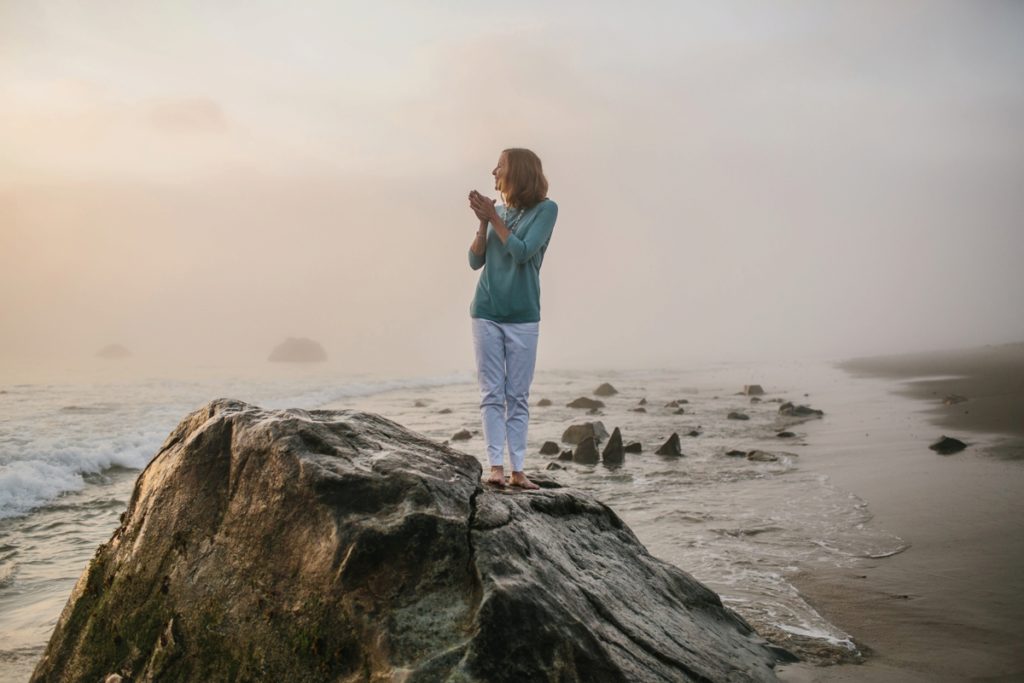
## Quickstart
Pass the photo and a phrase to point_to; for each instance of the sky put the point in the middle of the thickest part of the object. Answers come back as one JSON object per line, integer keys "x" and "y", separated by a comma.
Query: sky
{"x": 736, "y": 180}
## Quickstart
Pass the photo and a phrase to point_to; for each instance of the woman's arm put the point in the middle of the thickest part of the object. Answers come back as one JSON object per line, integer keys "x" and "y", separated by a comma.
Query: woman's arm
{"x": 478, "y": 249}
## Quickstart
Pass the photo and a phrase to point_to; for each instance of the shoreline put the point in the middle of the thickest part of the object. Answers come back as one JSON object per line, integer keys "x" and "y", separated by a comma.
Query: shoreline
{"x": 947, "y": 608}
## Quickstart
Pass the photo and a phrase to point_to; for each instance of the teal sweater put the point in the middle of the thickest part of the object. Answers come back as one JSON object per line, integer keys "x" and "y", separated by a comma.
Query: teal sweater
{"x": 509, "y": 286}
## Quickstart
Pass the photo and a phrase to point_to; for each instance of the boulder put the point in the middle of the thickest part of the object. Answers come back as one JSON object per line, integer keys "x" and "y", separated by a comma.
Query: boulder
{"x": 785, "y": 435}
{"x": 947, "y": 445}
{"x": 549, "y": 448}
{"x": 737, "y": 416}
{"x": 586, "y": 403}
{"x": 753, "y": 390}
{"x": 586, "y": 452}
{"x": 791, "y": 410}
{"x": 462, "y": 435}
{"x": 670, "y": 447}
{"x": 113, "y": 352}
{"x": 736, "y": 453}
{"x": 298, "y": 350}
{"x": 544, "y": 403}
{"x": 614, "y": 453}
{"x": 338, "y": 546}
{"x": 445, "y": 411}
{"x": 605, "y": 390}
{"x": 638, "y": 409}
{"x": 577, "y": 432}
{"x": 633, "y": 447}
{"x": 643, "y": 401}
{"x": 565, "y": 455}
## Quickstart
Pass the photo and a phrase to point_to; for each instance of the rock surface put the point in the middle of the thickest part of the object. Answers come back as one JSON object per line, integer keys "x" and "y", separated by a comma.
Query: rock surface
{"x": 298, "y": 350}
{"x": 605, "y": 390}
{"x": 337, "y": 545}
{"x": 549, "y": 448}
{"x": 584, "y": 402}
{"x": 613, "y": 453}
{"x": 586, "y": 452}
{"x": 947, "y": 445}
{"x": 577, "y": 432}
{"x": 670, "y": 447}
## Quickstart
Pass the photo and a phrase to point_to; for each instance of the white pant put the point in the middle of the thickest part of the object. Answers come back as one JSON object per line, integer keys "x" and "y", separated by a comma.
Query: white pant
{"x": 506, "y": 354}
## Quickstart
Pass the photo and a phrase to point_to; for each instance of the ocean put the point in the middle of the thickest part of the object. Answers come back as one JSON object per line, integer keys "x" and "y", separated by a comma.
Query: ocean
{"x": 70, "y": 452}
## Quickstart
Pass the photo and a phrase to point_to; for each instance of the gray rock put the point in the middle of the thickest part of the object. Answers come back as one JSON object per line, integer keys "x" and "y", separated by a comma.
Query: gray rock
{"x": 336, "y": 545}
{"x": 577, "y": 432}
{"x": 586, "y": 452}
{"x": 670, "y": 447}
{"x": 419, "y": 404}
{"x": 755, "y": 399}
{"x": 638, "y": 409}
{"x": 586, "y": 403}
{"x": 679, "y": 411}
{"x": 738, "y": 416}
{"x": 643, "y": 401}
{"x": 565, "y": 455}
{"x": 605, "y": 390}
{"x": 614, "y": 454}
{"x": 947, "y": 445}
{"x": 785, "y": 435}
{"x": 554, "y": 466}
{"x": 736, "y": 453}
{"x": 791, "y": 410}
{"x": 549, "y": 448}
{"x": 445, "y": 411}
{"x": 462, "y": 435}
{"x": 298, "y": 350}
{"x": 762, "y": 456}
{"x": 753, "y": 390}
{"x": 634, "y": 447}
{"x": 693, "y": 432}
{"x": 544, "y": 403}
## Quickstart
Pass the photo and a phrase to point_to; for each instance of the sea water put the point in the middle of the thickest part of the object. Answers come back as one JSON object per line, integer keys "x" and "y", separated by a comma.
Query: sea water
{"x": 70, "y": 452}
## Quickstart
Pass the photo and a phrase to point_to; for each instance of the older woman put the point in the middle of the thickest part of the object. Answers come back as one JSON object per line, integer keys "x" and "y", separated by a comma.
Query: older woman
{"x": 509, "y": 245}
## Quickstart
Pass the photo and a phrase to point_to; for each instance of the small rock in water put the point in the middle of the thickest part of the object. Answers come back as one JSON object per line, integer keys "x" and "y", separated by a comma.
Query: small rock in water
{"x": 947, "y": 445}
{"x": 419, "y": 404}
{"x": 605, "y": 390}
{"x": 693, "y": 432}
{"x": 791, "y": 410}
{"x": 554, "y": 466}
{"x": 785, "y": 435}
{"x": 613, "y": 453}
{"x": 549, "y": 448}
{"x": 679, "y": 411}
{"x": 544, "y": 403}
{"x": 672, "y": 404}
{"x": 670, "y": 447}
{"x": 753, "y": 390}
{"x": 577, "y": 432}
{"x": 755, "y": 399}
{"x": 737, "y": 416}
{"x": 634, "y": 447}
{"x": 565, "y": 455}
{"x": 445, "y": 411}
{"x": 643, "y": 401}
{"x": 762, "y": 456}
{"x": 736, "y": 454}
{"x": 584, "y": 402}
{"x": 953, "y": 399}
{"x": 594, "y": 411}
{"x": 462, "y": 435}
{"x": 638, "y": 409}
{"x": 586, "y": 452}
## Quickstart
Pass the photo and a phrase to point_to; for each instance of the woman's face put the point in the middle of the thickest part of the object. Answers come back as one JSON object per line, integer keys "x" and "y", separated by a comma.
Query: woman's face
{"x": 499, "y": 172}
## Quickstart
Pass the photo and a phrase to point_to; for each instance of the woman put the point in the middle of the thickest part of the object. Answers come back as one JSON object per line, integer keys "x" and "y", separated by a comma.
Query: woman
{"x": 509, "y": 245}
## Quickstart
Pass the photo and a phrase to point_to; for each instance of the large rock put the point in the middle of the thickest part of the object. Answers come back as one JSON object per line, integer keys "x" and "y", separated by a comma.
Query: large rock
{"x": 577, "y": 432}
{"x": 605, "y": 390}
{"x": 586, "y": 403}
{"x": 586, "y": 452}
{"x": 670, "y": 447}
{"x": 338, "y": 546}
{"x": 298, "y": 350}
{"x": 947, "y": 445}
{"x": 613, "y": 453}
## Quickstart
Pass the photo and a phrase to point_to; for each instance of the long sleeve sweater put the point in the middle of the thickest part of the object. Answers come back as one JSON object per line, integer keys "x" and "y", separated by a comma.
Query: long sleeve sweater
{"x": 509, "y": 287}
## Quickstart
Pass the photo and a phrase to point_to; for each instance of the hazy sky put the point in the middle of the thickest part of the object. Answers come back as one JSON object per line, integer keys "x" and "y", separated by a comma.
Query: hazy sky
{"x": 199, "y": 180}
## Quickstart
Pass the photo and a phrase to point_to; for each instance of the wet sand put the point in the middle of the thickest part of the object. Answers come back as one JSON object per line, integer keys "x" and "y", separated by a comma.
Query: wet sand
{"x": 949, "y": 608}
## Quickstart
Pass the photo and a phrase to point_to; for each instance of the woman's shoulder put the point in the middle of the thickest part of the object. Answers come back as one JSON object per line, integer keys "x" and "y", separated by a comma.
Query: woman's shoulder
{"x": 547, "y": 204}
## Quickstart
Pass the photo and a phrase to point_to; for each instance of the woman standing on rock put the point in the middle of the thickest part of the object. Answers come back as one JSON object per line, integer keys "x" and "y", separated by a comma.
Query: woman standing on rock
{"x": 509, "y": 245}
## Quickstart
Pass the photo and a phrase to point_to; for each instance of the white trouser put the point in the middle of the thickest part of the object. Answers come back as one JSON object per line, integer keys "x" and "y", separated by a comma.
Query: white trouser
{"x": 506, "y": 354}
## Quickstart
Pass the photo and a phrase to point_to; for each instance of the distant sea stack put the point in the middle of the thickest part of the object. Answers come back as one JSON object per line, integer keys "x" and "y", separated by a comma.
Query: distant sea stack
{"x": 298, "y": 350}
{"x": 338, "y": 546}
{"x": 113, "y": 352}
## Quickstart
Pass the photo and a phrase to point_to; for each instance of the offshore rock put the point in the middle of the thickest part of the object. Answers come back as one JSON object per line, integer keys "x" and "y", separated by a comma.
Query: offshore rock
{"x": 605, "y": 390}
{"x": 584, "y": 402}
{"x": 298, "y": 350}
{"x": 614, "y": 454}
{"x": 586, "y": 452}
{"x": 670, "y": 447}
{"x": 339, "y": 546}
{"x": 577, "y": 432}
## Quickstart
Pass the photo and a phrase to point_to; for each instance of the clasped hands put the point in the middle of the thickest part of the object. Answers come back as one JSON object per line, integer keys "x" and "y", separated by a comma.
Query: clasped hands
{"x": 483, "y": 206}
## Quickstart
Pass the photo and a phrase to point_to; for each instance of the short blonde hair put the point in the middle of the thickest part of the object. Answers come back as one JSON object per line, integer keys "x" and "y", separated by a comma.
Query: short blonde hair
{"x": 524, "y": 177}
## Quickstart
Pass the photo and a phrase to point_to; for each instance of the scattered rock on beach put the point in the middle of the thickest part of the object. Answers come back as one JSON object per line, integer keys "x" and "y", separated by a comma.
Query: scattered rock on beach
{"x": 791, "y": 410}
{"x": 445, "y": 411}
{"x": 670, "y": 447}
{"x": 298, "y": 350}
{"x": 638, "y": 409}
{"x": 584, "y": 402}
{"x": 613, "y": 453}
{"x": 947, "y": 445}
{"x": 605, "y": 390}
{"x": 785, "y": 435}
{"x": 336, "y": 545}
{"x": 544, "y": 403}
{"x": 577, "y": 432}
{"x": 586, "y": 452}
{"x": 462, "y": 435}
{"x": 738, "y": 416}
{"x": 753, "y": 390}
{"x": 549, "y": 448}
{"x": 634, "y": 447}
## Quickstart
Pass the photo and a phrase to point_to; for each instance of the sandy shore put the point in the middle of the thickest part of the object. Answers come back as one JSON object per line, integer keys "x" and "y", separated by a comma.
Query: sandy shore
{"x": 948, "y": 608}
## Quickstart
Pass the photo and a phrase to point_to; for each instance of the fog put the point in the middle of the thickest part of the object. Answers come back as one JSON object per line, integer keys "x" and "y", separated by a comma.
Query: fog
{"x": 736, "y": 181}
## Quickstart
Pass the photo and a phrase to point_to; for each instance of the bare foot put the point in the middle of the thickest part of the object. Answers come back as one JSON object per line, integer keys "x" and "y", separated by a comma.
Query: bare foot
{"x": 519, "y": 480}
{"x": 497, "y": 477}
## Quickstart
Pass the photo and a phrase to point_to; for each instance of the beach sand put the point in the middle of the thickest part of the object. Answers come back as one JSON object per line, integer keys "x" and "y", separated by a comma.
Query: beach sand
{"x": 948, "y": 608}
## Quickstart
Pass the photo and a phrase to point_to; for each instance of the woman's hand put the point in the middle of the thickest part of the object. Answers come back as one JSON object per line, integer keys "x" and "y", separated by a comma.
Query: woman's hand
{"x": 483, "y": 206}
